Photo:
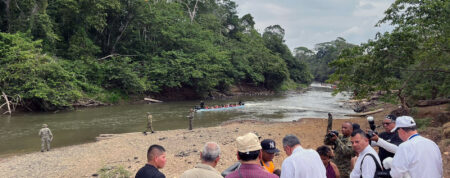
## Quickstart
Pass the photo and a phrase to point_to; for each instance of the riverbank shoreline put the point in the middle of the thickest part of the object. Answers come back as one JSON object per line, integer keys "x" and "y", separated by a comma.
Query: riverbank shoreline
{"x": 128, "y": 150}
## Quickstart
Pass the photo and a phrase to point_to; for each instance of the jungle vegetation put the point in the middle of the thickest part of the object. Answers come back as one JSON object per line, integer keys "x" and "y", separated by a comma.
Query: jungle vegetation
{"x": 56, "y": 52}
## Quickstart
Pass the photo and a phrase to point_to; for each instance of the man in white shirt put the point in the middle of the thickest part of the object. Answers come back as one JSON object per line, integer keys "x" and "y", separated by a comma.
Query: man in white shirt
{"x": 417, "y": 155}
{"x": 365, "y": 165}
{"x": 301, "y": 163}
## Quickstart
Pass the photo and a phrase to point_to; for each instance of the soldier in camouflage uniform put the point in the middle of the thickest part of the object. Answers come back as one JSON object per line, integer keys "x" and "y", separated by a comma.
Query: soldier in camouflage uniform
{"x": 342, "y": 147}
{"x": 46, "y": 137}
{"x": 191, "y": 117}
{"x": 149, "y": 123}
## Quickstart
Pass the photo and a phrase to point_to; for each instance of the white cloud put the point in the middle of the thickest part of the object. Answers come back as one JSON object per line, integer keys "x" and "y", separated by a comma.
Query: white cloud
{"x": 352, "y": 31}
{"x": 308, "y": 22}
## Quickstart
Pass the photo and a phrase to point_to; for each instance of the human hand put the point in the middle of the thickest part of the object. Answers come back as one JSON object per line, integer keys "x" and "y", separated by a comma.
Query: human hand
{"x": 374, "y": 137}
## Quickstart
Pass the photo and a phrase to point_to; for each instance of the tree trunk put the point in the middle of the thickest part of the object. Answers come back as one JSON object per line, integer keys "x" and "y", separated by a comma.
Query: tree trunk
{"x": 7, "y": 2}
{"x": 193, "y": 12}
{"x": 7, "y": 103}
{"x": 403, "y": 100}
{"x": 129, "y": 18}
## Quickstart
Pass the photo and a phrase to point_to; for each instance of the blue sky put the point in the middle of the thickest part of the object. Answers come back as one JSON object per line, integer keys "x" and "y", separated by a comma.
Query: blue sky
{"x": 308, "y": 22}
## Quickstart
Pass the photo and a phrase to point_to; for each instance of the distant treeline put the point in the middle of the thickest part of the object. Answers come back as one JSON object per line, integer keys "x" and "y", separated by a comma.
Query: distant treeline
{"x": 318, "y": 58}
{"x": 55, "y": 52}
{"x": 410, "y": 63}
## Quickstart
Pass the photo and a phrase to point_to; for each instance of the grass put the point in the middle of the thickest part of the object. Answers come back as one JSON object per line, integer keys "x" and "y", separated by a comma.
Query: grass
{"x": 113, "y": 172}
{"x": 423, "y": 123}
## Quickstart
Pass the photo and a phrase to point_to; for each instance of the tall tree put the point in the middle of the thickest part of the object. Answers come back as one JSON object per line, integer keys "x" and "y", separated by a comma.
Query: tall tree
{"x": 411, "y": 62}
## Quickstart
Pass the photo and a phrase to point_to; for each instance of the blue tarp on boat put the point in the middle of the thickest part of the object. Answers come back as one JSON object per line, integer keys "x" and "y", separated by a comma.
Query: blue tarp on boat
{"x": 219, "y": 109}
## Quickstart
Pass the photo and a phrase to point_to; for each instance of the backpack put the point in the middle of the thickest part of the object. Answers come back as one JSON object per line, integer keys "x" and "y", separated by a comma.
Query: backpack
{"x": 379, "y": 172}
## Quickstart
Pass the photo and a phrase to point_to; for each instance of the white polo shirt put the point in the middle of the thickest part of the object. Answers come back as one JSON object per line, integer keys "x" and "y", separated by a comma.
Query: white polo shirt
{"x": 303, "y": 163}
{"x": 368, "y": 167}
{"x": 418, "y": 156}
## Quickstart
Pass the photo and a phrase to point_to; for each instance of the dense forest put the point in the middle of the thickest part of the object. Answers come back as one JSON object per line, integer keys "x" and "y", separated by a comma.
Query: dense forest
{"x": 56, "y": 52}
{"x": 318, "y": 59}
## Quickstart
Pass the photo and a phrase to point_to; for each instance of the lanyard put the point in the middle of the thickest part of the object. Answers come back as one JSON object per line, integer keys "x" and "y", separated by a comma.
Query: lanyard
{"x": 412, "y": 136}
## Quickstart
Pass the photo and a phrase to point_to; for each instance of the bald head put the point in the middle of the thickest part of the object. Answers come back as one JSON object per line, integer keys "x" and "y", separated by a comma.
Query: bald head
{"x": 347, "y": 128}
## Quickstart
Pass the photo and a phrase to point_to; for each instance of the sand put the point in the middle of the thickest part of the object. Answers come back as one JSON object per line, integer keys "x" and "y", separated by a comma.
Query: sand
{"x": 183, "y": 147}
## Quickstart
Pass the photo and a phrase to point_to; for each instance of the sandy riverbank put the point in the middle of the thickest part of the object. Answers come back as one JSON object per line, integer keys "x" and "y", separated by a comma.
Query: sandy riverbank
{"x": 183, "y": 147}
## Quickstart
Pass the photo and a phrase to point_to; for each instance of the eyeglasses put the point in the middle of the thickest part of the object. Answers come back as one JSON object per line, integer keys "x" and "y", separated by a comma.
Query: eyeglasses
{"x": 387, "y": 123}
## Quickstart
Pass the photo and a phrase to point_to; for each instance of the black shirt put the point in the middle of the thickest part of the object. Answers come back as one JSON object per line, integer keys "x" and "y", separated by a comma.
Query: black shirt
{"x": 391, "y": 138}
{"x": 149, "y": 171}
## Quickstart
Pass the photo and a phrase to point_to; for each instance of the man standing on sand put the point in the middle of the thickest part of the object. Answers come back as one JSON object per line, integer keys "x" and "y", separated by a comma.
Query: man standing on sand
{"x": 267, "y": 153}
{"x": 248, "y": 152}
{"x": 417, "y": 155}
{"x": 149, "y": 123}
{"x": 301, "y": 163}
{"x": 46, "y": 137}
{"x": 209, "y": 157}
{"x": 191, "y": 117}
{"x": 387, "y": 141}
{"x": 368, "y": 161}
{"x": 342, "y": 148}
{"x": 156, "y": 159}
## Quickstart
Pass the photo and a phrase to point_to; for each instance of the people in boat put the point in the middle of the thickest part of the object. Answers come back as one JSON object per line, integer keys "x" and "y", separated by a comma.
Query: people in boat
{"x": 202, "y": 105}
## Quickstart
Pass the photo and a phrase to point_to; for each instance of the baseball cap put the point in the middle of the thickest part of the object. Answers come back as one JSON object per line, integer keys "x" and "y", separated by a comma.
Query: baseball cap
{"x": 403, "y": 121}
{"x": 248, "y": 142}
{"x": 391, "y": 117}
{"x": 268, "y": 145}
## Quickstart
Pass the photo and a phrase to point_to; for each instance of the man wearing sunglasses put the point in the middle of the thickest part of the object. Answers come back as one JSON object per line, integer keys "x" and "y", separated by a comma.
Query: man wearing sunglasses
{"x": 387, "y": 141}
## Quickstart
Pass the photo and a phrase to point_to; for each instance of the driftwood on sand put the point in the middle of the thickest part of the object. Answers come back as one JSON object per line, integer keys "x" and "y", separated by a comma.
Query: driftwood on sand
{"x": 365, "y": 113}
{"x": 422, "y": 103}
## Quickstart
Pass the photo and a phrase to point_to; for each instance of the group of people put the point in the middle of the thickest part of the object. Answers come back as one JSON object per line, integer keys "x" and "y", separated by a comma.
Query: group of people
{"x": 203, "y": 106}
{"x": 255, "y": 160}
{"x": 402, "y": 153}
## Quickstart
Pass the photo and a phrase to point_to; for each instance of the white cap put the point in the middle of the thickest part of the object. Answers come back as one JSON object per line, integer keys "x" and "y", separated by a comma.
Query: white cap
{"x": 403, "y": 121}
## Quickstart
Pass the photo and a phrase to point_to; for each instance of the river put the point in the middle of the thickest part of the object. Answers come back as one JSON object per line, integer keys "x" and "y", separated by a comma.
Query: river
{"x": 19, "y": 133}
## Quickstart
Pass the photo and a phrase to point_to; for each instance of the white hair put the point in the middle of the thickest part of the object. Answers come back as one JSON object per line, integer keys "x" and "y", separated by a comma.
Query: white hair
{"x": 210, "y": 152}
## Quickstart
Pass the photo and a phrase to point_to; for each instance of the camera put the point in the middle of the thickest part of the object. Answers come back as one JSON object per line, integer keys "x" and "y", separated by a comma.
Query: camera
{"x": 371, "y": 133}
{"x": 371, "y": 123}
{"x": 331, "y": 134}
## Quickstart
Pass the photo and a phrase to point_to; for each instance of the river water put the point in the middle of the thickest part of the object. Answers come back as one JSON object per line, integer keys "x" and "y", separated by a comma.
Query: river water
{"x": 19, "y": 133}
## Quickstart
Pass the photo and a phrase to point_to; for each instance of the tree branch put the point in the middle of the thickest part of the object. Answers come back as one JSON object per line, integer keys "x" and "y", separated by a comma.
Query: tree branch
{"x": 113, "y": 55}
{"x": 129, "y": 18}
{"x": 7, "y": 103}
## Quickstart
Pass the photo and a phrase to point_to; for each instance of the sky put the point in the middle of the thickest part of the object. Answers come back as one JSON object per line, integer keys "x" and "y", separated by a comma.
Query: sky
{"x": 308, "y": 22}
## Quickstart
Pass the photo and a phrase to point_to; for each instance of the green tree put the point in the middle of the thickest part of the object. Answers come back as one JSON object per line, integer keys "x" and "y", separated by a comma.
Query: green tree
{"x": 35, "y": 76}
{"x": 411, "y": 62}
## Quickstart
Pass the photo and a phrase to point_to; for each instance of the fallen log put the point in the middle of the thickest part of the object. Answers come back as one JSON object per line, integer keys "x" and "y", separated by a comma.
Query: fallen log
{"x": 152, "y": 100}
{"x": 364, "y": 113}
{"x": 423, "y": 103}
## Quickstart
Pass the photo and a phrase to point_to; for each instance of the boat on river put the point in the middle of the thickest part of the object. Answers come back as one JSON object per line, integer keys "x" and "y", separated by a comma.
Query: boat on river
{"x": 219, "y": 109}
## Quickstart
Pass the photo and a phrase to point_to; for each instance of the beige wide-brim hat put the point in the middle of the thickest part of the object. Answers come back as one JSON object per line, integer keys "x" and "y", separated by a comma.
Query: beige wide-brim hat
{"x": 44, "y": 125}
{"x": 248, "y": 142}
